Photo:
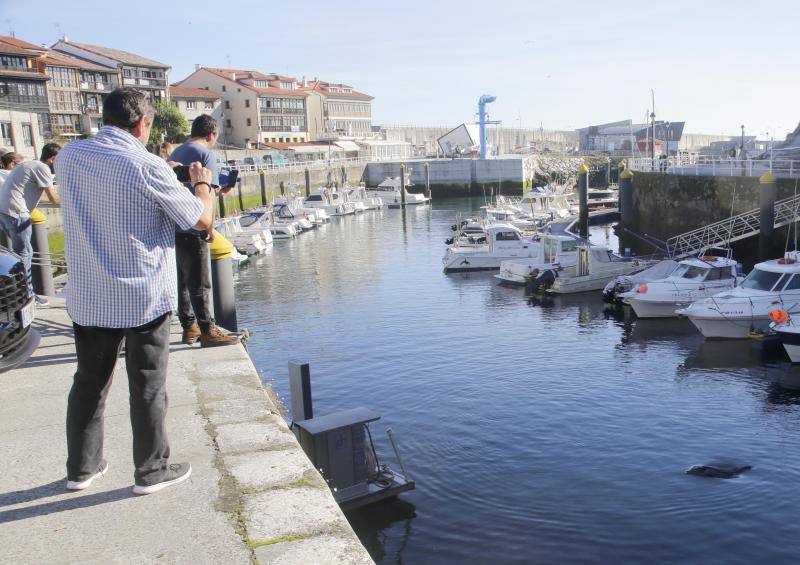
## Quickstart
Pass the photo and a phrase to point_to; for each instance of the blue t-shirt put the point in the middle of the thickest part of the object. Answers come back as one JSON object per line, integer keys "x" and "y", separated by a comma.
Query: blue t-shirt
{"x": 188, "y": 153}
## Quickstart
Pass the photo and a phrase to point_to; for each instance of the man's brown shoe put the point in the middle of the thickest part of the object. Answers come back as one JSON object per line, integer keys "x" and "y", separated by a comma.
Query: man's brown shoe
{"x": 191, "y": 334}
{"x": 215, "y": 338}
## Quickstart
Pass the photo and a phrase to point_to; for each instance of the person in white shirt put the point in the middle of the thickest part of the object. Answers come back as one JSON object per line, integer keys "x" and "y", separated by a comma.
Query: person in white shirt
{"x": 7, "y": 162}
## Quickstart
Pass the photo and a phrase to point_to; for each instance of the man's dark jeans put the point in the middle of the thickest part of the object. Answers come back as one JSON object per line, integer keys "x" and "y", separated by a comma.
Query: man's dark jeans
{"x": 194, "y": 281}
{"x": 146, "y": 354}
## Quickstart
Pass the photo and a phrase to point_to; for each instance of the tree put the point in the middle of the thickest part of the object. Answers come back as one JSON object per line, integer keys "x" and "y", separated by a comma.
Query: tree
{"x": 168, "y": 122}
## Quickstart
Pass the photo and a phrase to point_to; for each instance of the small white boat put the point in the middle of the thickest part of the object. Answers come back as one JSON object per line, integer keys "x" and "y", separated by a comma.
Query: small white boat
{"x": 249, "y": 232}
{"x": 618, "y": 286}
{"x": 596, "y": 265}
{"x": 555, "y": 253}
{"x": 788, "y": 332}
{"x": 329, "y": 200}
{"x": 736, "y": 313}
{"x": 359, "y": 197}
{"x": 282, "y": 213}
{"x": 503, "y": 242}
{"x": 693, "y": 279}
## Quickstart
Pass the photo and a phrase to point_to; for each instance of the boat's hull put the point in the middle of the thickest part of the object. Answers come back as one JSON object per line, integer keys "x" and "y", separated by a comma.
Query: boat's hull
{"x": 729, "y": 328}
{"x": 653, "y": 308}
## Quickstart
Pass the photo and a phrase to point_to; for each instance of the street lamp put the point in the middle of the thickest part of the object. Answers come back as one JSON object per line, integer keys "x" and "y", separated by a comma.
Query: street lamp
{"x": 653, "y": 145}
{"x": 742, "y": 145}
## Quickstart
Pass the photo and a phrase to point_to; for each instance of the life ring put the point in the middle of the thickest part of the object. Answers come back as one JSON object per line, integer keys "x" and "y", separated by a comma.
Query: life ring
{"x": 785, "y": 261}
{"x": 778, "y": 316}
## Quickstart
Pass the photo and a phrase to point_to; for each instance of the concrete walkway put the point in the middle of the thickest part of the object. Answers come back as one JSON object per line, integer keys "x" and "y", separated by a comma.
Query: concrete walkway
{"x": 253, "y": 495}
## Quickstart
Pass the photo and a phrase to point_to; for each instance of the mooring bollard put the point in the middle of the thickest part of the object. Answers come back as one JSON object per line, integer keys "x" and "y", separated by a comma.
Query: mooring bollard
{"x": 344, "y": 176}
{"x": 583, "y": 201}
{"x": 767, "y": 216}
{"x": 221, "y": 200}
{"x": 427, "y": 180}
{"x": 263, "y": 183}
{"x": 239, "y": 194}
{"x": 403, "y": 184}
{"x": 626, "y": 197}
{"x": 222, "y": 282}
{"x": 283, "y": 189}
{"x": 41, "y": 265}
{"x": 308, "y": 182}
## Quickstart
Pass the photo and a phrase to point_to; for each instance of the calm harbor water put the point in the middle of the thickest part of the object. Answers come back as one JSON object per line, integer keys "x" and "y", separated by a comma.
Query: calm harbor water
{"x": 547, "y": 432}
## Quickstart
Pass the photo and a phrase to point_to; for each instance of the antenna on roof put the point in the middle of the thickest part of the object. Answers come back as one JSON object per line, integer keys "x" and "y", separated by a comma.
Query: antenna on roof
{"x": 228, "y": 58}
{"x": 58, "y": 29}
{"x": 10, "y": 29}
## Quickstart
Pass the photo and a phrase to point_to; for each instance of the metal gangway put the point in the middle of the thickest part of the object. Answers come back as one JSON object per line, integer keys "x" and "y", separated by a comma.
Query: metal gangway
{"x": 735, "y": 228}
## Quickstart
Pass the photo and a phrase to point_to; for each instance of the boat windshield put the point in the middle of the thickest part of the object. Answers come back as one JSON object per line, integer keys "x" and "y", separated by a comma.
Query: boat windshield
{"x": 760, "y": 280}
{"x": 691, "y": 272}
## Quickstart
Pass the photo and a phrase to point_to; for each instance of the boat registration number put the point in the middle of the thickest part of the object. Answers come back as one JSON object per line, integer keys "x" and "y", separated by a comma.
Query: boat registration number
{"x": 26, "y": 314}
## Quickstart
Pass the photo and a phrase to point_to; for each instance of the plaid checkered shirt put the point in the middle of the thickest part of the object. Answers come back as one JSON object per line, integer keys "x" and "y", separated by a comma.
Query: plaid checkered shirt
{"x": 120, "y": 205}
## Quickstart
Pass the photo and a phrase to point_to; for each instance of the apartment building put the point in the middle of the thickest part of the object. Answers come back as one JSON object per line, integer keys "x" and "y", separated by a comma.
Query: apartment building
{"x": 135, "y": 71}
{"x": 337, "y": 110}
{"x": 255, "y": 107}
{"x": 193, "y": 102}
{"x": 23, "y": 98}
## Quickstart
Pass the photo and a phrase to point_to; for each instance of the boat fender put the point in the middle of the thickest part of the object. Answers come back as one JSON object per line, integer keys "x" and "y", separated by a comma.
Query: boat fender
{"x": 708, "y": 258}
{"x": 786, "y": 261}
{"x": 778, "y": 316}
{"x": 643, "y": 289}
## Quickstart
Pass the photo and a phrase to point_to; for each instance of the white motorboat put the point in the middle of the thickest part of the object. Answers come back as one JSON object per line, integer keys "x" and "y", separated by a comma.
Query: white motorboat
{"x": 329, "y": 200}
{"x": 359, "y": 197}
{"x": 736, "y": 313}
{"x": 693, "y": 279}
{"x": 555, "y": 253}
{"x": 616, "y": 287}
{"x": 546, "y": 203}
{"x": 316, "y": 216}
{"x": 248, "y": 232}
{"x": 596, "y": 265}
{"x": 510, "y": 214}
{"x": 503, "y": 241}
{"x": 788, "y": 331}
{"x": 282, "y": 213}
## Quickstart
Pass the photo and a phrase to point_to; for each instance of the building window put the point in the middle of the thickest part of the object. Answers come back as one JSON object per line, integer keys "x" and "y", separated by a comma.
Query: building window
{"x": 261, "y": 84}
{"x": 27, "y": 135}
{"x": 209, "y": 105}
{"x": 190, "y": 105}
{"x": 247, "y": 103}
{"x": 227, "y": 105}
{"x": 227, "y": 123}
{"x": 13, "y": 63}
{"x": 223, "y": 88}
{"x": 249, "y": 122}
{"x": 5, "y": 134}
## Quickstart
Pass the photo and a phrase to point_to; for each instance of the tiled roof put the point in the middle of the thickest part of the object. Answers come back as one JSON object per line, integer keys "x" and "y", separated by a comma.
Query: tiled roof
{"x": 57, "y": 58}
{"x": 276, "y": 90}
{"x": 119, "y": 55}
{"x": 14, "y": 50}
{"x": 240, "y": 73}
{"x": 182, "y": 92}
{"x": 323, "y": 87}
{"x": 19, "y": 43}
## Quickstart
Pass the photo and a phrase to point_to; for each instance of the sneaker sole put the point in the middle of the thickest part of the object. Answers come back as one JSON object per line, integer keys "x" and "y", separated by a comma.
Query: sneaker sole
{"x": 82, "y": 485}
{"x": 190, "y": 341}
{"x": 150, "y": 489}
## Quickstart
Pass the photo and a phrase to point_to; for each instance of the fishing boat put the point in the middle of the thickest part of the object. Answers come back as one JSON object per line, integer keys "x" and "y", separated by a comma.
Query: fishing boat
{"x": 503, "y": 242}
{"x": 693, "y": 279}
{"x": 555, "y": 252}
{"x": 744, "y": 310}
{"x": 331, "y": 201}
{"x": 596, "y": 265}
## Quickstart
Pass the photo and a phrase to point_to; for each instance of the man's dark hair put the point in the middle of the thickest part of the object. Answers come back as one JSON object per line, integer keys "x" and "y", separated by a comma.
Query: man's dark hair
{"x": 125, "y": 107}
{"x": 10, "y": 157}
{"x": 49, "y": 150}
{"x": 203, "y": 126}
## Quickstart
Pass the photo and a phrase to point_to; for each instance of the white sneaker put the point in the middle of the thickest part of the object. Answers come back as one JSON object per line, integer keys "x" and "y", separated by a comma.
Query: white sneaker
{"x": 176, "y": 474}
{"x": 81, "y": 485}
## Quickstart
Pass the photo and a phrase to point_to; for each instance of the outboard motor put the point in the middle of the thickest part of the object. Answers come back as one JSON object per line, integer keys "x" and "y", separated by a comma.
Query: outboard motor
{"x": 535, "y": 284}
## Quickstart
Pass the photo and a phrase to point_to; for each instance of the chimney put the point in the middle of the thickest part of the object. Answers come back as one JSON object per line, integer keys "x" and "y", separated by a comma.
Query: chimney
{"x": 233, "y": 76}
{"x": 65, "y": 39}
{"x": 304, "y": 81}
{"x": 197, "y": 66}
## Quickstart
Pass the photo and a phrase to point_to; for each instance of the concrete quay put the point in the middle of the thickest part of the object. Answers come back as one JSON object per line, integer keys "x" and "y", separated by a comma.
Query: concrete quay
{"x": 253, "y": 496}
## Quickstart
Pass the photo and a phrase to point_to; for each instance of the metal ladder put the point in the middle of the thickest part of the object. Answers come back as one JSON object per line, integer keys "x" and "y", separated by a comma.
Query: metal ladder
{"x": 731, "y": 229}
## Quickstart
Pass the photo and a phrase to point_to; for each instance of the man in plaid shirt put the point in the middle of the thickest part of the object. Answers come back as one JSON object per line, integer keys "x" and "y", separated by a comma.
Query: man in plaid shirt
{"x": 120, "y": 205}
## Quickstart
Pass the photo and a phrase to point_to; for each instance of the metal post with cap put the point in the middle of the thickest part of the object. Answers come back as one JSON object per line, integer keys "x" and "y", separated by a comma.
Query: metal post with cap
{"x": 766, "y": 216}
{"x": 308, "y": 182}
{"x": 403, "y": 184}
{"x": 583, "y": 201}
{"x": 263, "y": 184}
{"x": 222, "y": 282}
{"x": 626, "y": 197}
{"x": 41, "y": 266}
{"x": 427, "y": 180}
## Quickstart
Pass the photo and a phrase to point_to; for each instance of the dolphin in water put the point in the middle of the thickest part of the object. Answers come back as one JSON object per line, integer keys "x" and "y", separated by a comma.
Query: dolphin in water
{"x": 717, "y": 471}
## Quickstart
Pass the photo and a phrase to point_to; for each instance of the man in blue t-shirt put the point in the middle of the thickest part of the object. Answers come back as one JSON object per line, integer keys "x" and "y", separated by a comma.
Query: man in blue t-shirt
{"x": 191, "y": 247}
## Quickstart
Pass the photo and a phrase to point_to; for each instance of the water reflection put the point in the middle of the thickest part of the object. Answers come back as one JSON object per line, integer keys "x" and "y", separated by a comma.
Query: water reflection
{"x": 373, "y": 524}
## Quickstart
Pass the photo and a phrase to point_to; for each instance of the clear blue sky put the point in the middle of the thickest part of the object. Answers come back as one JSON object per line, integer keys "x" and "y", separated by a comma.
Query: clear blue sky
{"x": 559, "y": 64}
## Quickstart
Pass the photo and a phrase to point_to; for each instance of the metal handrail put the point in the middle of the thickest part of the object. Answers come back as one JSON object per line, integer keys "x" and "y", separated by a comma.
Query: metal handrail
{"x": 717, "y": 166}
{"x": 731, "y": 229}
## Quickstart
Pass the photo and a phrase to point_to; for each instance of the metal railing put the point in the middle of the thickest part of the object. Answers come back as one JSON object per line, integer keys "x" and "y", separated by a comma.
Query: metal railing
{"x": 701, "y": 165}
{"x": 302, "y": 165}
{"x": 731, "y": 229}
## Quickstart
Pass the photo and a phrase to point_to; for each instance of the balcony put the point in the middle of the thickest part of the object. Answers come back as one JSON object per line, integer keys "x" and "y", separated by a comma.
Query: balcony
{"x": 65, "y": 131}
{"x": 148, "y": 82}
{"x": 287, "y": 129}
{"x": 279, "y": 111}
{"x": 26, "y": 101}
